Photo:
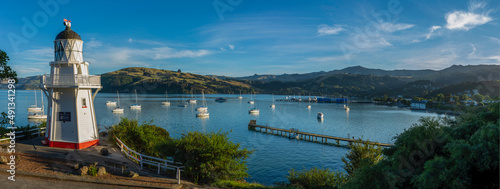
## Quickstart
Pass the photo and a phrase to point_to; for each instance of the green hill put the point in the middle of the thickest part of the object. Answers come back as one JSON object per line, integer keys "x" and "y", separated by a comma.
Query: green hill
{"x": 149, "y": 80}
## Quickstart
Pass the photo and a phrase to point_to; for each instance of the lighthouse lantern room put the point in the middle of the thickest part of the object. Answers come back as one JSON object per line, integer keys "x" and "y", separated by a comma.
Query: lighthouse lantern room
{"x": 71, "y": 121}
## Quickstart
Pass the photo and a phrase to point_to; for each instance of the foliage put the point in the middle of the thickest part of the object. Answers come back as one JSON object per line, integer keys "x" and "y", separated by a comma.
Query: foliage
{"x": 211, "y": 156}
{"x": 316, "y": 178}
{"x": 92, "y": 170}
{"x": 440, "y": 153}
{"x": 237, "y": 184}
{"x": 362, "y": 154}
{"x": 6, "y": 71}
{"x": 145, "y": 138}
{"x": 207, "y": 157}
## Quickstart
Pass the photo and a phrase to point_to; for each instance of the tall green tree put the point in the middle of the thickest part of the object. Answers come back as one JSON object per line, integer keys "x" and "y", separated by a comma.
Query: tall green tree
{"x": 362, "y": 154}
{"x": 5, "y": 70}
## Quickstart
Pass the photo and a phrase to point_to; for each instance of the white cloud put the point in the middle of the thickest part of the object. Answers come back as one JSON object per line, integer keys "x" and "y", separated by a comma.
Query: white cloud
{"x": 92, "y": 43}
{"x": 460, "y": 20}
{"x": 324, "y": 29}
{"x": 473, "y": 50}
{"x": 231, "y": 47}
{"x": 130, "y": 40}
{"x": 390, "y": 27}
{"x": 431, "y": 31}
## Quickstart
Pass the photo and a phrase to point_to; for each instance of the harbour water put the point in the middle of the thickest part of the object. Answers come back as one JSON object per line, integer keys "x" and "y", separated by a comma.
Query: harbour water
{"x": 273, "y": 155}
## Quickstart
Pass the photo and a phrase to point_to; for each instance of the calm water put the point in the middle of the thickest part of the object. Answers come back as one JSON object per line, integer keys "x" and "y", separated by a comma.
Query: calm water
{"x": 274, "y": 155}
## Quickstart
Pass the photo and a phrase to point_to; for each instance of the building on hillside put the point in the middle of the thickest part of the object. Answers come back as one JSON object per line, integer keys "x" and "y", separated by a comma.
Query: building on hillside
{"x": 418, "y": 105}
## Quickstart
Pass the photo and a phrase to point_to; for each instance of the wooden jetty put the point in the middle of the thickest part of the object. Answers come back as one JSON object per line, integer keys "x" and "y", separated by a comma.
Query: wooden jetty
{"x": 304, "y": 135}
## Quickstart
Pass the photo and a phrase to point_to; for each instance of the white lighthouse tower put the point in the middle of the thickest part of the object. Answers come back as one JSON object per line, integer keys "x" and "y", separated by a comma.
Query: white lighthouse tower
{"x": 71, "y": 119}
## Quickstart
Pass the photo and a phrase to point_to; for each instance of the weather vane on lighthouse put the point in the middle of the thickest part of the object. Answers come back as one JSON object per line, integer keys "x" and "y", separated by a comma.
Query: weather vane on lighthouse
{"x": 67, "y": 23}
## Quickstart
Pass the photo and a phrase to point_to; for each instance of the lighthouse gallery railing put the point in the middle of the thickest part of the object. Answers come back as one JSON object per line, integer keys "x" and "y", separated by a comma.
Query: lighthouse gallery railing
{"x": 71, "y": 80}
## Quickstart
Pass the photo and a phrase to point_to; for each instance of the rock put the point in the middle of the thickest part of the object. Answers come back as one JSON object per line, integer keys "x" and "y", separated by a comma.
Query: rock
{"x": 133, "y": 174}
{"x": 101, "y": 171}
{"x": 3, "y": 160}
{"x": 104, "y": 152}
{"x": 83, "y": 170}
{"x": 75, "y": 166}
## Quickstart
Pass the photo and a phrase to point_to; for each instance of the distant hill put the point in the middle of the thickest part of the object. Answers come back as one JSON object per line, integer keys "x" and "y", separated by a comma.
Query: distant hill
{"x": 452, "y": 75}
{"x": 149, "y": 80}
{"x": 351, "y": 81}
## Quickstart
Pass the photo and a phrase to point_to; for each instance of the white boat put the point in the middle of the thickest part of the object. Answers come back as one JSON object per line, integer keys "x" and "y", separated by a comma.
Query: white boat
{"x": 203, "y": 114}
{"x": 320, "y": 115}
{"x": 38, "y": 115}
{"x": 203, "y": 107}
{"x": 166, "y": 102}
{"x": 240, "y": 97}
{"x": 136, "y": 105}
{"x": 254, "y": 111}
{"x": 272, "y": 105}
{"x": 251, "y": 98}
{"x": 345, "y": 106}
{"x": 309, "y": 106}
{"x": 34, "y": 108}
{"x": 118, "y": 109}
{"x": 192, "y": 99}
{"x": 110, "y": 103}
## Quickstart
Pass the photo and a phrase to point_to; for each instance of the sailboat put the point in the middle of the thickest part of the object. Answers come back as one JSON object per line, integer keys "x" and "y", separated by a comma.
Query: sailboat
{"x": 203, "y": 108}
{"x": 166, "y": 102}
{"x": 136, "y": 105}
{"x": 41, "y": 115}
{"x": 251, "y": 97}
{"x": 110, "y": 103}
{"x": 309, "y": 105}
{"x": 118, "y": 109}
{"x": 345, "y": 105}
{"x": 181, "y": 103}
{"x": 320, "y": 115}
{"x": 254, "y": 110}
{"x": 192, "y": 100}
{"x": 34, "y": 108}
{"x": 240, "y": 97}
{"x": 272, "y": 105}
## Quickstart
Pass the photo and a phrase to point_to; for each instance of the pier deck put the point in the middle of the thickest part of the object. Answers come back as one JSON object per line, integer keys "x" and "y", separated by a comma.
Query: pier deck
{"x": 305, "y": 135}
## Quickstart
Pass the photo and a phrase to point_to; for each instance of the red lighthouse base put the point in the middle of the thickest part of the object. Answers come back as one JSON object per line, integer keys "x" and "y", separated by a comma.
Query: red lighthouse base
{"x": 71, "y": 145}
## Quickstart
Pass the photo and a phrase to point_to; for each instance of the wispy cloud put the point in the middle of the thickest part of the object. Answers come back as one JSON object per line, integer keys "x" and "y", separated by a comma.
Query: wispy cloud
{"x": 431, "y": 31}
{"x": 93, "y": 43}
{"x": 393, "y": 27}
{"x": 231, "y": 47}
{"x": 324, "y": 29}
{"x": 465, "y": 20}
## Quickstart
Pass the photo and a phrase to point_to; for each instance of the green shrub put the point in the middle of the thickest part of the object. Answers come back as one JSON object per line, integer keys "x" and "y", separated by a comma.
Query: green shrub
{"x": 237, "y": 184}
{"x": 316, "y": 178}
{"x": 92, "y": 170}
{"x": 362, "y": 154}
{"x": 211, "y": 156}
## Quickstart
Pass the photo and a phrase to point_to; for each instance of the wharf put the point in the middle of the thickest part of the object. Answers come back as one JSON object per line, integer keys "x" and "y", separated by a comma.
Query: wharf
{"x": 290, "y": 133}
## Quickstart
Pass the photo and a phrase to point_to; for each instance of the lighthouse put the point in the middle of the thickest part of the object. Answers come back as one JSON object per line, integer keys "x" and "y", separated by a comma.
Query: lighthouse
{"x": 70, "y": 90}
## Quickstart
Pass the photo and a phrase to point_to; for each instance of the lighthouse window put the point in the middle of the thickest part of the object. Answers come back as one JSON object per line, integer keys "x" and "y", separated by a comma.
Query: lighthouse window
{"x": 64, "y": 116}
{"x": 84, "y": 103}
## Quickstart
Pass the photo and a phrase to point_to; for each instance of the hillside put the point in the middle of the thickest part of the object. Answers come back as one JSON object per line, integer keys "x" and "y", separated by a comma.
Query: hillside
{"x": 149, "y": 80}
{"x": 452, "y": 75}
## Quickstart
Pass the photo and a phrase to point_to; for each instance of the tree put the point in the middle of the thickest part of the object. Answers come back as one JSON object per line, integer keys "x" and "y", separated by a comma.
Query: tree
{"x": 478, "y": 98}
{"x": 456, "y": 98}
{"x": 6, "y": 71}
{"x": 179, "y": 71}
{"x": 440, "y": 97}
{"x": 362, "y": 154}
{"x": 464, "y": 97}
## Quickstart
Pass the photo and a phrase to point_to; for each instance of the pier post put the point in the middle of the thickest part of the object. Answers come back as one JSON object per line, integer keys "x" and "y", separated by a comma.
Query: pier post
{"x": 338, "y": 142}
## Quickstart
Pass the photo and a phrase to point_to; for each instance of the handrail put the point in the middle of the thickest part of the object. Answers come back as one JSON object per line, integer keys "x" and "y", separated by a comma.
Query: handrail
{"x": 40, "y": 131}
{"x": 71, "y": 80}
{"x": 149, "y": 160}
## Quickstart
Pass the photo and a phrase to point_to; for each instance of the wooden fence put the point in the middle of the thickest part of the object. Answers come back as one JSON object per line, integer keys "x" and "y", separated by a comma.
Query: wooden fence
{"x": 39, "y": 132}
{"x": 149, "y": 160}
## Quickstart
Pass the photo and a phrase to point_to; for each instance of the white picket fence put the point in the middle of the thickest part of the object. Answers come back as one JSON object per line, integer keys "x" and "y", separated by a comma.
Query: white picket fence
{"x": 149, "y": 160}
{"x": 39, "y": 133}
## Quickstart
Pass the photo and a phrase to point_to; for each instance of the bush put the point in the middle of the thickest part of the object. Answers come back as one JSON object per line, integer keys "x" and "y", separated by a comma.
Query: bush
{"x": 315, "y": 178}
{"x": 362, "y": 154}
{"x": 92, "y": 170}
{"x": 237, "y": 184}
{"x": 211, "y": 156}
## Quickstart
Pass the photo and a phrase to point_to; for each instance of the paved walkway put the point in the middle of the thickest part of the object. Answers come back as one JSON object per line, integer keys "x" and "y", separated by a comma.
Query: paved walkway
{"x": 92, "y": 154}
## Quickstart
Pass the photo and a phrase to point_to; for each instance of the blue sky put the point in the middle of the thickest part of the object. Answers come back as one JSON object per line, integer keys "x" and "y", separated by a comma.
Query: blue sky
{"x": 243, "y": 37}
